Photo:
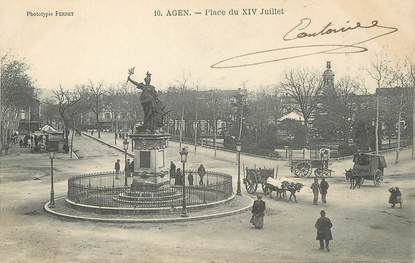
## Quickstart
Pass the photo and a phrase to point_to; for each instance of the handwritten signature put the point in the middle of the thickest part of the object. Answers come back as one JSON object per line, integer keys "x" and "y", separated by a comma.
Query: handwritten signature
{"x": 299, "y": 32}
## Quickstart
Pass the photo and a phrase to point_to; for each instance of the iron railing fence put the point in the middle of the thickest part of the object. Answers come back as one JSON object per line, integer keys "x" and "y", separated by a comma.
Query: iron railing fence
{"x": 107, "y": 189}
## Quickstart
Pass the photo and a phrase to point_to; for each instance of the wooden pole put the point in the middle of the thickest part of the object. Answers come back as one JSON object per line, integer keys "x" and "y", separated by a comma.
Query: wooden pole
{"x": 413, "y": 122}
{"x": 398, "y": 149}
{"x": 181, "y": 128}
{"x": 195, "y": 130}
{"x": 214, "y": 128}
{"x": 377, "y": 123}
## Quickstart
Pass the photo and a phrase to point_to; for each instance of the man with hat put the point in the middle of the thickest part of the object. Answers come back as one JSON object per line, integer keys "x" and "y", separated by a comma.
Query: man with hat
{"x": 316, "y": 190}
{"x": 258, "y": 210}
{"x": 323, "y": 226}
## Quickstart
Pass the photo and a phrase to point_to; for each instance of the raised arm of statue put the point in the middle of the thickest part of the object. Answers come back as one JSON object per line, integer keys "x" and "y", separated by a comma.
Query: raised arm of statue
{"x": 135, "y": 82}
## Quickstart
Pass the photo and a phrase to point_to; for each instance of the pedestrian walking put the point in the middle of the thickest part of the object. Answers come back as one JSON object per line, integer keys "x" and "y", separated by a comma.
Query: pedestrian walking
{"x": 395, "y": 197}
{"x": 316, "y": 189}
{"x": 323, "y": 226}
{"x": 201, "y": 171}
{"x": 117, "y": 169}
{"x": 127, "y": 168}
{"x": 178, "y": 177}
{"x": 324, "y": 186}
{"x": 172, "y": 170}
{"x": 258, "y": 212}
{"x": 190, "y": 178}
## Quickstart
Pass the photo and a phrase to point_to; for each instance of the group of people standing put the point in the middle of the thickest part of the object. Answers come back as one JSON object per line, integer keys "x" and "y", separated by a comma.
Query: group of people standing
{"x": 128, "y": 169}
{"x": 319, "y": 189}
{"x": 177, "y": 175}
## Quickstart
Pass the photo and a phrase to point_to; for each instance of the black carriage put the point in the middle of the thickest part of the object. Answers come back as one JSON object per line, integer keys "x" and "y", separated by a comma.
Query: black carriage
{"x": 303, "y": 168}
{"x": 367, "y": 167}
{"x": 253, "y": 177}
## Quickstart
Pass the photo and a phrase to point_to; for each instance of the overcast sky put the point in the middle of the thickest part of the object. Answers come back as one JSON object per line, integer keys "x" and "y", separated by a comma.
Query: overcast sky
{"x": 105, "y": 38}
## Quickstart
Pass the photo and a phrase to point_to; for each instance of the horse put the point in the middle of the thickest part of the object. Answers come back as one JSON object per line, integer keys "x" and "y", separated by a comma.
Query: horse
{"x": 353, "y": 178}
{"x": 293, "y": 188}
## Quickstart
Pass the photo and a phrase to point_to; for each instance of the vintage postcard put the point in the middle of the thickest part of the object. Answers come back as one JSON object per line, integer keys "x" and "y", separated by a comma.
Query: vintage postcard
{"x": 207, "y": 131}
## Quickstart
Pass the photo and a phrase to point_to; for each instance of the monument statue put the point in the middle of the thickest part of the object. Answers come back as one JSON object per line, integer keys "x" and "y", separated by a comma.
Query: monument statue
{"x": 153, "y": 108}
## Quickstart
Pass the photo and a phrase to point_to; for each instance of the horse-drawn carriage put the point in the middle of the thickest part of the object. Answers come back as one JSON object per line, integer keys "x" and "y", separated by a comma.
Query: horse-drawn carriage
{"x": 303, "y": 168}
{"x": 366, "y": 167}
{"x": 269, "y": 184}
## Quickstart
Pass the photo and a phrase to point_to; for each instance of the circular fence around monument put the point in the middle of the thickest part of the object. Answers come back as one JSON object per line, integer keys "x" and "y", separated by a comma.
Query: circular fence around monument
{"x": 106, "y": 188}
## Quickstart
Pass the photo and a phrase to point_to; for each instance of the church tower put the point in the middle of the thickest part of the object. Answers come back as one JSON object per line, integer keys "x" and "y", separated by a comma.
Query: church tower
{"x": 328, "y": 78}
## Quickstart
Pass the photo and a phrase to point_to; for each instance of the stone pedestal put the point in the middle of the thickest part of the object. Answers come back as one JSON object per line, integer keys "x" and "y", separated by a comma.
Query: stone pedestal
{"x": 150, "y": 172}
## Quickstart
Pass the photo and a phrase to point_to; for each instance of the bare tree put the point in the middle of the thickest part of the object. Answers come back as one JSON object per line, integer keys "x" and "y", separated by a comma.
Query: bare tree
{"x": 381, "y": 72}
{"x": 303, "y": 87}
{"x": 67, "y": 101}
{"x": 96, "y": 93}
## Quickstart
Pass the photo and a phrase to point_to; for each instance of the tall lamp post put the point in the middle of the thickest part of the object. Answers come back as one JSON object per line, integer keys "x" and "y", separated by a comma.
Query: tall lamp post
{"x": 125, "y": 144}
{"x": 238, "y": 149}
{"x": 52, "y": 192}
{"x": 183, "y": 156}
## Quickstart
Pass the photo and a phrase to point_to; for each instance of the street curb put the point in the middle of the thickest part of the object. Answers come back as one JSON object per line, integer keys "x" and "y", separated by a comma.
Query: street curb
{"x": 150, "y": 220}
{"x": 107, "y": 144}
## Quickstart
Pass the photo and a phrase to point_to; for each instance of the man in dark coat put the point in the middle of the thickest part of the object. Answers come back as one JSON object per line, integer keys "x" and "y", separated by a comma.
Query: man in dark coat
{"x": 172, "y": 170}
{"x": 324, "y": 185}
{"x": 178, "y": 177}
{"x": 258, "y": 210}
{"x": 323, "y": 226}
{"x": 201, "y": 171}
{"x": 117, "y": 168}
{"x": 395, "y": 197}
{"x": 127, "y": 168}
{"x": 190, "y": 178}
{"x": 316, "y": 189}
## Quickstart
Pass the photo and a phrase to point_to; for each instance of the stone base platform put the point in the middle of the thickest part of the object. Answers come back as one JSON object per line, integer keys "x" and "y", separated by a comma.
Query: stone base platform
{"x": 237, "y": 204}
{"x": 168, "y": 197}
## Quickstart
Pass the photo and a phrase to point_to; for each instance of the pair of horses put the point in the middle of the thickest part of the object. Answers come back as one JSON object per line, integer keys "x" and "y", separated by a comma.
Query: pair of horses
{"x": 285, "y": 186}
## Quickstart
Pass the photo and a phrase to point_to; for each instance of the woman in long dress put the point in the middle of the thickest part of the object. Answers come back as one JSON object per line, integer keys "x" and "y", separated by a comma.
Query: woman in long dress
{"x": 258, "y": 210}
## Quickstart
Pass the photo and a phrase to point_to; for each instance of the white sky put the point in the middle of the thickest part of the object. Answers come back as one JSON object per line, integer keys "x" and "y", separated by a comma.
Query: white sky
{"x": 105, "y": 38}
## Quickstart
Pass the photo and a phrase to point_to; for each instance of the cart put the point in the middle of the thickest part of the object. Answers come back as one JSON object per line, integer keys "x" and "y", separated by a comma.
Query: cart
{"x": 253, "y": 177}
{"x": 303, "y": 168}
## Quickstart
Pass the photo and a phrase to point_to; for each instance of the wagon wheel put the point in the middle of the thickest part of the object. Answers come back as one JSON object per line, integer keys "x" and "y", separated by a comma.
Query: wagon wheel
{"x": 302, "y": 169}
{"x": 251, "y": 183}
{"x": 377, "y": 177}
{"x": 320, "y": 172}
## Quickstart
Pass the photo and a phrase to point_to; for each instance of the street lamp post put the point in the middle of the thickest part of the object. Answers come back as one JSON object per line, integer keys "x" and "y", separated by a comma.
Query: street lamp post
{"x": 52, "y": 192}
{"x": 125, "y": 144}
{"x": 183, "y": 156}
{"x": 238, "y": 149}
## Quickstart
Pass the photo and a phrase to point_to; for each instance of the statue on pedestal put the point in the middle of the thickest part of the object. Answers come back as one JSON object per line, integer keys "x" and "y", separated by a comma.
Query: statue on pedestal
{"x": 153, "y": 108}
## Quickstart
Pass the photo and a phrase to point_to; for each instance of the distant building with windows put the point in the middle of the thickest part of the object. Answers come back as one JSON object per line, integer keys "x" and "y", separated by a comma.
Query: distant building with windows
{"x": 29, "y": 117}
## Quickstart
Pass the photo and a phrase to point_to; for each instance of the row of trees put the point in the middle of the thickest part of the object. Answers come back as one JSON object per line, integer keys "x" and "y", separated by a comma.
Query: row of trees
{"x": 343, "y": 113}
{"x": 17, "y": 90}
{"x": 72, "y": 106}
